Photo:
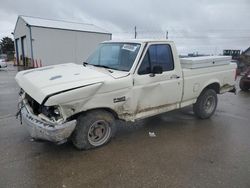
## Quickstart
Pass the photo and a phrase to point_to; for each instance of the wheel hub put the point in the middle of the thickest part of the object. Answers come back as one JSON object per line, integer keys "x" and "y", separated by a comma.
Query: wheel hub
{"x": 99, "y": 132}
{"x": 209, "y": 104}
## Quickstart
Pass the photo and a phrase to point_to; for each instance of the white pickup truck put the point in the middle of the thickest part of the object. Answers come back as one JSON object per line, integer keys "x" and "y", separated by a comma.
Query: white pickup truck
{"x": 126, "y": 80}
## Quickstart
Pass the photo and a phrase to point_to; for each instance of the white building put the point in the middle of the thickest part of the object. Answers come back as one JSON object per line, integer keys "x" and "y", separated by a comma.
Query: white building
{"x": 48, "y": 42}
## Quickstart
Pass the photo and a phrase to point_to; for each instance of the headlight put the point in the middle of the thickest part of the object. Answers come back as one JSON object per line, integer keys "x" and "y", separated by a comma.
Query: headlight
{"x": 56, "y": 111}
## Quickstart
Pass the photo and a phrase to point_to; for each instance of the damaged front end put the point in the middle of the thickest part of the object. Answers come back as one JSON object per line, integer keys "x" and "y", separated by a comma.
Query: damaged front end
{"x": 42, "y": 122}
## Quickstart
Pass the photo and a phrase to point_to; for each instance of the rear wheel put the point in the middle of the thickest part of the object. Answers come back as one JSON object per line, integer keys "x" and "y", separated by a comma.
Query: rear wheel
{"x": 206, "y": 104}
{"x": 93, "y": 129}
{"x": 243, "y": 85}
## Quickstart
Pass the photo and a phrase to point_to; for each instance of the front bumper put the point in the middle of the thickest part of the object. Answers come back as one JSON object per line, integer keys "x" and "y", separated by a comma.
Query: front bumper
{"x": 40, "y": 129}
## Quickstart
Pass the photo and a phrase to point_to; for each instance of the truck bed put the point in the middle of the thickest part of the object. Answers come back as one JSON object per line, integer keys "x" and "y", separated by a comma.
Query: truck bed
{"x": 195, "y": 79}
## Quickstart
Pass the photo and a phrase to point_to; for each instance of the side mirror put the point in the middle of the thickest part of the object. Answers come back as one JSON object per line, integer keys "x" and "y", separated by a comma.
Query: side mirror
{"x": 157, "y": 69}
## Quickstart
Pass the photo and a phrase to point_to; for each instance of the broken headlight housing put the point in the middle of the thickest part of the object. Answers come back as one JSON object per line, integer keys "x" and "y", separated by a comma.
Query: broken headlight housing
{"x": 52, "y": 112}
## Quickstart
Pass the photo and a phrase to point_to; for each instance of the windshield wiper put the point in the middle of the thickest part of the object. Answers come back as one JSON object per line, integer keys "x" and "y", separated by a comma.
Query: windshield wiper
{"x": 104, "y": 66}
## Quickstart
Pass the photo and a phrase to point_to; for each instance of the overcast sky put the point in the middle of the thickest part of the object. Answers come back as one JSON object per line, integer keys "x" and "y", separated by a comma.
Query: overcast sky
{"x": 204, "y": 26}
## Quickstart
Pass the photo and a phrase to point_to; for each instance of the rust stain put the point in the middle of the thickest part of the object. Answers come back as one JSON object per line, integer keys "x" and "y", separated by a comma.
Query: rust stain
{"x": 152, "y": 108}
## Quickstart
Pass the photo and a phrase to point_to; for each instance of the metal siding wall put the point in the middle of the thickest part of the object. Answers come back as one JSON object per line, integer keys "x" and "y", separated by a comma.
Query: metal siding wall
{"x": 23, "y": 30}
{"x": 16, "y": 50}
{"x": 19, "y": 46}
{"x": 86, "y": 43}
{"x": 54, "y": 46}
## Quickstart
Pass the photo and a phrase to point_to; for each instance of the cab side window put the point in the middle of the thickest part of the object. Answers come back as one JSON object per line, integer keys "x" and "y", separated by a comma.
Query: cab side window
{"x": 157, "y": 55}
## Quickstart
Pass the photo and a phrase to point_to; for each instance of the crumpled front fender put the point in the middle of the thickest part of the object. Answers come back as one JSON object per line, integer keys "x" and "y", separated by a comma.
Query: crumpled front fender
{"x": 73, "y": 95}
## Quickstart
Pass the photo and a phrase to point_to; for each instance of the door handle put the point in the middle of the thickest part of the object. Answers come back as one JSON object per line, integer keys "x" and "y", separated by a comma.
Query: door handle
{"x": 174, "y": 76}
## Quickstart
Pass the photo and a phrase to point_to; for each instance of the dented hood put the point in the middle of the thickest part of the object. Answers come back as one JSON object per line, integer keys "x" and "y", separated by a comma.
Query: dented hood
{"x": 42, "y": 82}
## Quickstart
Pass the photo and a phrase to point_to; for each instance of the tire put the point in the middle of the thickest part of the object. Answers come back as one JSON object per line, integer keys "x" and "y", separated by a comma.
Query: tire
{"x": 243, "y": 86}
{"x": 206, "y": 104}
{"x": 93, "y": 129}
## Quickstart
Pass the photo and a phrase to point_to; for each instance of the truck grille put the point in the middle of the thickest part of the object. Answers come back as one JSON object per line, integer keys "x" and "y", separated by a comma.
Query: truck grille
{"x": 33, "y": 104}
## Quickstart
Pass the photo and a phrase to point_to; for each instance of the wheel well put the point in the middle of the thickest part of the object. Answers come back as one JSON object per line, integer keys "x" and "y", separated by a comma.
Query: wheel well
{"x": 214, "y": 86}
{"x": 106, "y": 109}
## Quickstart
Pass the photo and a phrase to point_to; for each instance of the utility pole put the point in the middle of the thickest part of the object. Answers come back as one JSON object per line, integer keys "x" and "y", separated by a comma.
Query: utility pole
{"x": 167, "y": 34}
{"x": 135, "y": 32}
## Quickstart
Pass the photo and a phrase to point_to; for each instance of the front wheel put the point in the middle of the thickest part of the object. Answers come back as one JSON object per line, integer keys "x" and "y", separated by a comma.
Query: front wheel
{"x": 93, "y": 129}
{"x": 206, "y": 104}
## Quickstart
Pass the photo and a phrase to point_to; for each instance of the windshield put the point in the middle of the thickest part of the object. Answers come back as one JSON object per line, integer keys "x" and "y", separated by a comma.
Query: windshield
{"x": 118, "y": 56}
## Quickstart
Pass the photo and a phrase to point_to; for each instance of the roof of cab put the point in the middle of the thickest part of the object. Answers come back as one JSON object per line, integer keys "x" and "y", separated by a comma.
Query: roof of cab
{"x": 138, "y": 40}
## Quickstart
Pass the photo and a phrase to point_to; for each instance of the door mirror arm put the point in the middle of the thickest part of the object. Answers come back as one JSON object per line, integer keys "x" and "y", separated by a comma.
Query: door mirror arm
{"x": 152, "y": 74}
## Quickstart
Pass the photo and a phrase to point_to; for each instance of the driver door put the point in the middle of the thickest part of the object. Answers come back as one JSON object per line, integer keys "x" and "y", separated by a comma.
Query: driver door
{"x": 157, "y": 92}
